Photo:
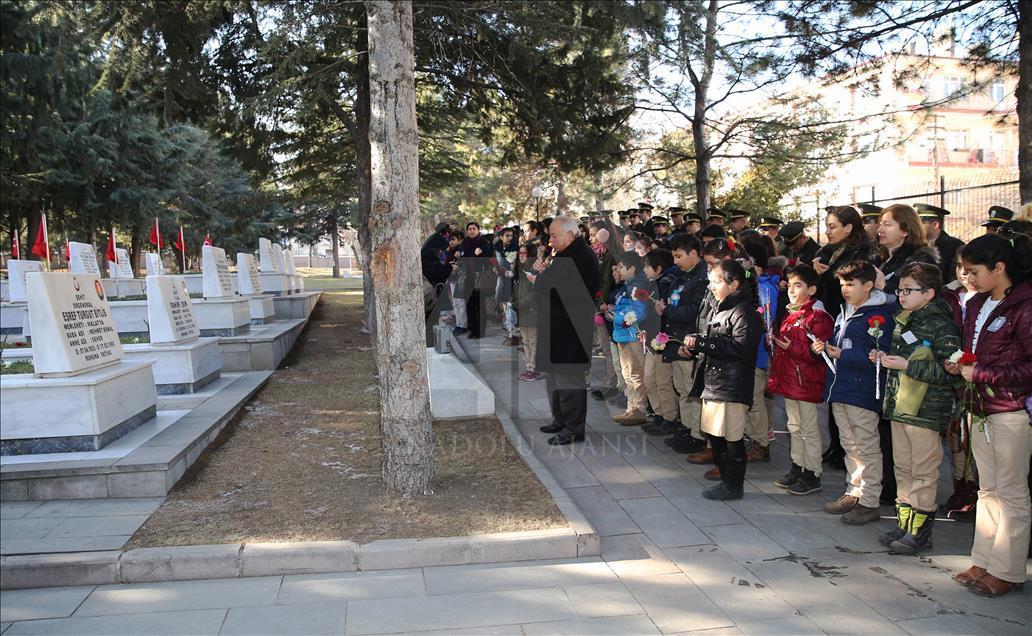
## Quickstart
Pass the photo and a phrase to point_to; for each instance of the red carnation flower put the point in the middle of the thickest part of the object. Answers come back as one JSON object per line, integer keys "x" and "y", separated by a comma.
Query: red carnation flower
{"x": 967, "y": 358}
{"x": 792, "y": 262}
{"x": 598, "y": 295}
{"x": 875, "y": 321}
{"x": 642, "y": 294}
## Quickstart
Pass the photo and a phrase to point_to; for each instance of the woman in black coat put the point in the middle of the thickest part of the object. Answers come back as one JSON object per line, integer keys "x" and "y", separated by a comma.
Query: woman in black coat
{"x": 847, "y": 241}
{"x": 901, "y": 239}
{"x": 476, "y": 255}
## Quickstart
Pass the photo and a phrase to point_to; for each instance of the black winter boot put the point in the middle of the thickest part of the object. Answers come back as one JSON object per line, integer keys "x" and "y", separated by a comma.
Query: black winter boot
{"x": 790, "y": 478}
{"x": 918, "y": 536}
{"x": 902, "y": 523}
{"x": 807, "y": 484}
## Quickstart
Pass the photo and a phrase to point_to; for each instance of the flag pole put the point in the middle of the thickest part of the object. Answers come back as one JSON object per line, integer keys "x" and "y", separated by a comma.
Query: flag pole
{"x": 46, "y": 242}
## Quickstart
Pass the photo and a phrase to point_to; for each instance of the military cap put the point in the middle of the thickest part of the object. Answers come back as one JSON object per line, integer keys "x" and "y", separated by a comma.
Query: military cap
{"x": 676, "y": 210}
{"x": 738, "y": 214}
{"x": 926, "y": 211}
{"x": 624, "y": 214}
{"x": 644, "y": 206}
{"x": 714, "y": 212}
{"x": 770, "y": 221}
{"x": 692, "y": 216}
{"x": 792, "y": 230}
{"x": 660, "y": 220}
{"x": 998, "y": 215}
{"x": 585, "y": 219}
{"x": 869, "y": 210}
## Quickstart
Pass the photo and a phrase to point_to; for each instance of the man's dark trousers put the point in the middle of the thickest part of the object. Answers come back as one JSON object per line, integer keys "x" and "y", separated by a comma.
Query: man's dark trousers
{"x": 568, "y": 395}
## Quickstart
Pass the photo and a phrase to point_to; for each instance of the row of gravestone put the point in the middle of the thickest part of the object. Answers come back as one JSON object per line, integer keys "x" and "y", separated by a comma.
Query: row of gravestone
{"x": 218, "y": 281}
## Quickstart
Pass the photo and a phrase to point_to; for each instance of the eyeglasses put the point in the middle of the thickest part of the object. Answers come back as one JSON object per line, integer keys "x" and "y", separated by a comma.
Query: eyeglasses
{"x": 906, "y": 291}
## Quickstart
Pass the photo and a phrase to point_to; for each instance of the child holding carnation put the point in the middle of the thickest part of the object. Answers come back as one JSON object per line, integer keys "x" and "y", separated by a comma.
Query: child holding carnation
{"x": 998, "y": 331}
{"x": 628, "y": 334}
{"x": 866, "y": 313}
{"x": 797, "y": 374}
{"x": 659, "y": 379}
{"x": 919, "y": 401}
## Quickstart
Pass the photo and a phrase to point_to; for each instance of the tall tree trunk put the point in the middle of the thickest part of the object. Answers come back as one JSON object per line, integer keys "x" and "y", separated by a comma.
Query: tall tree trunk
{"x": 362, "y": 165}
{"x": 405, "y": 419}
{"x": 335, "y": 243}
{"x": 1024, "y": 95}
{"x": 701, "y": 85}
{"x": 562, "y": 202}
{"x": 135, "y": 247}
{"x": 600, "y": 199}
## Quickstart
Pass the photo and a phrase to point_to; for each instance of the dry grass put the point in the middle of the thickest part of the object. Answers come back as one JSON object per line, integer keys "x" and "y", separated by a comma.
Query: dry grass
{"x": 303, "y": 462}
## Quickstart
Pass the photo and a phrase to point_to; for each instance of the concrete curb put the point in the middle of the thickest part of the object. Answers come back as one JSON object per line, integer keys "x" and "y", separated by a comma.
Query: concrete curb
{"x": 589, "y": 542}
{"x": 277, "y": 559}
{"x": 316, "y": 557}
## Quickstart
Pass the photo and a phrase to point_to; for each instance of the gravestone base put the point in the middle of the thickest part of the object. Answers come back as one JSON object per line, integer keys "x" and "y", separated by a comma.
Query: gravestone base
{"x": 85, "y": 412}
{"x": 297, "y": 283}
{"x": 222, "y": 317}
{"x": 14, "y": 318}
{"x": 294, "y": 306}
{"x": 455, "y": 391}
{"x": 262, "y": 308}
{"x": 116, "y": 288}
{"x": 275, "y": 283}
{"x": 180, "y": 368}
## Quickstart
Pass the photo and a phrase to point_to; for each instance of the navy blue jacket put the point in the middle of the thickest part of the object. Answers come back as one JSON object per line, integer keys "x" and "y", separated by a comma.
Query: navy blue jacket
{"x": 681, "y": 318}
{"x": 853, "y": 380}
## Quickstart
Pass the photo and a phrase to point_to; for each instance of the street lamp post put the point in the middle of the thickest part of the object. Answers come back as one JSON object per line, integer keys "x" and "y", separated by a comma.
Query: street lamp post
{"x": 537, "y": 193}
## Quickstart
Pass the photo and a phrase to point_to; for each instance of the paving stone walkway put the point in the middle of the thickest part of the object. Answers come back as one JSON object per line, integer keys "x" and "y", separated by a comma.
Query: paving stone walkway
{"x": 672, "y": 562}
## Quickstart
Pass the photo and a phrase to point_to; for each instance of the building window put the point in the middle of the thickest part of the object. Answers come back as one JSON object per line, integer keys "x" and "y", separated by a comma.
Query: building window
{"x": 951, "y": 84}
{"x": 997, "y": 91}
{"x": 956, "y": 140}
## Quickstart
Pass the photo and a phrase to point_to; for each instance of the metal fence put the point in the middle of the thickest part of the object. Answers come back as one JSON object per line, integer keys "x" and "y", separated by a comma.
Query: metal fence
{"x": 968, "y": 206}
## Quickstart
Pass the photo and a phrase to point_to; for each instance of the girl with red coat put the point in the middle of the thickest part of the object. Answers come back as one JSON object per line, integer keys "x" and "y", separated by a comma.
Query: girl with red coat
{"x": 797, "y": 374}
{"x": 998, "y": 331}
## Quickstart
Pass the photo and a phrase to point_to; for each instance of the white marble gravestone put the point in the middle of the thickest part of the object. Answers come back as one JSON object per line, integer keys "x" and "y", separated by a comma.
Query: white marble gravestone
{"x": 122, "y": 269}
{"x": 16, "y": 273}
{"x": 83, "y": 259}
{"x": 288, "y": 265}
{"x": 249, "y": 284}
{"x": 265, "y": 257}
{"x": 248, "y": 280}
{"x": 170, "y": 311}
{"x": 277, "y": 258}
{"x": 72, "y": 327}
{"x": 218, "y": 282}
{"x": 154, "y": 265}
{"x": 83, "y": 395}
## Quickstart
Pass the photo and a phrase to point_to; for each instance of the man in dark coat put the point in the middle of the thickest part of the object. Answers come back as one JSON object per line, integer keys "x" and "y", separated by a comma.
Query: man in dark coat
{"x": 565, "y": 292}
{"x": 934, "y": 219}
{"x": 433, "y": 256}
{"x": 798, "y": 246}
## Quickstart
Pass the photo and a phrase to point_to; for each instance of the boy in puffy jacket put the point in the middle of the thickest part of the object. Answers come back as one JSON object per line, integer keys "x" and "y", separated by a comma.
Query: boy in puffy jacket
{"x": 798, "y": 375}
{"x": 630, "y": 316}
{"x": 659, "y": 379}
{"x": 851, "y": 388}
{"x": 925, "y": 322}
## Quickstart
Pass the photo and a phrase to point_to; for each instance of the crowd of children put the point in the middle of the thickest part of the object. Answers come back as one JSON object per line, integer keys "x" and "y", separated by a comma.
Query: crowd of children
{"x": 699, "y": 331}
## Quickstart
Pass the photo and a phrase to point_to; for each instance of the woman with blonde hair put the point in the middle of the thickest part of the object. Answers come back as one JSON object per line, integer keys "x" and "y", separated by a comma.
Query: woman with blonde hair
{"x": 901, "y": 241}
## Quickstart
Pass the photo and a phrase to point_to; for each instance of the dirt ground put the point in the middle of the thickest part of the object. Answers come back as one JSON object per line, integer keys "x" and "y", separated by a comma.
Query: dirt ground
{"x": 302, "y": 463}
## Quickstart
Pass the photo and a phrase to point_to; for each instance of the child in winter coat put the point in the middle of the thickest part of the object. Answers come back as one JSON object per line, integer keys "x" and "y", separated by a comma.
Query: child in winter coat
{"x": 680, "y": 317}
{"x": 923, "y": 340}
{"x": 526, "y": 308}
{"x": 798, "y": 375}
{"x": 998, "y": 331}
{"x": 726, "y": 353}
{"x": 628, "y": 333}
{"x": 851, "y": 387}
{"x": 659, "y": 379}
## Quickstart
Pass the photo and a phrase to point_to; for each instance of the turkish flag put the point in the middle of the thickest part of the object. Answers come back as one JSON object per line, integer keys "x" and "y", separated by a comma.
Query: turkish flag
{"x": 112, "y": 255}
{"x": 68, "y": 250}
{"x": 180, "y": 243}
{"x": 155, "y": 235}
{"x": 15, "y": 248}
{"x": 207, "y": 239}
{"x": 41, "y": 247}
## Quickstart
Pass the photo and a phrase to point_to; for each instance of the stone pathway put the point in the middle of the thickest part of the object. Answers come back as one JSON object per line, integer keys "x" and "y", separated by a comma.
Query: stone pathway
{"x": 672, "y": 562}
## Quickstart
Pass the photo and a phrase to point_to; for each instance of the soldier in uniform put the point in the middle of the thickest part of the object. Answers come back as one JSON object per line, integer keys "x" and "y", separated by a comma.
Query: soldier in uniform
{"x": 625, "y": 223}
{"x": 715, "y": 216}
{"x": 934, "y": 220}
{"x": 661, "y": 228}
{"x": 645, "y": 214}
{"x": 871, "y": 215}
{"x": 634, "y": 219}
{"x": 798, "y": 246}
{"x": 771, "y": 225}
{"x": 676, "y": 220}
{"x": 998, "y": 215}
{"x": 739, "y": 221}
{"x": 692, "y": 223}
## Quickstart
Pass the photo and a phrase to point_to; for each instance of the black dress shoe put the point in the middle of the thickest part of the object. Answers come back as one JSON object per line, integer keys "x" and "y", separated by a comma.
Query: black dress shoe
{"x": 597, "y": 394}
{"x": 551, "y": 428}
{"x": 564, "y": 438}
{"x": 722, "y": 492}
